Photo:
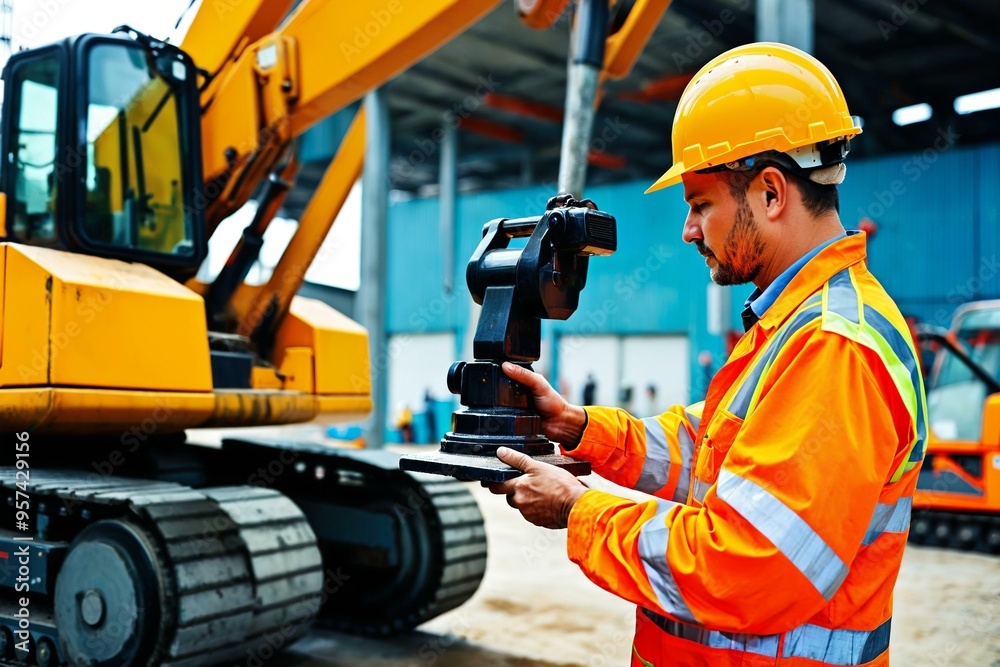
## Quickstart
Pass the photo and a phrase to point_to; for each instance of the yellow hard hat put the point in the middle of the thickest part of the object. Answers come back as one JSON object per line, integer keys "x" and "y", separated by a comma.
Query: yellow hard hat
{"x": 756, "y": 98}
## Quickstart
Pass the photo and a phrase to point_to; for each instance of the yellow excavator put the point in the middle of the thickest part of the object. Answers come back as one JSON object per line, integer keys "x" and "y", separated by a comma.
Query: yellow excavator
{"x": 121, "y": 543}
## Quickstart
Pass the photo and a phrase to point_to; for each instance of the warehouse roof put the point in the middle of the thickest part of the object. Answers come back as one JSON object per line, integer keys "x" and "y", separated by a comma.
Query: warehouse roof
{"x": 503, "y": 86}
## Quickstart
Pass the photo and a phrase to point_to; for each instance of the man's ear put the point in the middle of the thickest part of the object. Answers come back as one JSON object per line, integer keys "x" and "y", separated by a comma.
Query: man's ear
{"x": 774, "y": 190}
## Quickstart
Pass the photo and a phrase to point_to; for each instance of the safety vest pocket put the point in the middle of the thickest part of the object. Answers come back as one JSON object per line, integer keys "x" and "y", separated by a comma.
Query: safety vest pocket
{"x": 719, "y": 437}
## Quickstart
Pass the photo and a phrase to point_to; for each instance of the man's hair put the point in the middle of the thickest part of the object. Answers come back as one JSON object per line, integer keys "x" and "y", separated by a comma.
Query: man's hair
{"x": 818, "y": 199}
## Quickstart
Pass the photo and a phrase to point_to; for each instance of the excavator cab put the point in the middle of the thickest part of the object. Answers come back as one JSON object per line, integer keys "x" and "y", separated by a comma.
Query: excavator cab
{"x": 101, "y": 135}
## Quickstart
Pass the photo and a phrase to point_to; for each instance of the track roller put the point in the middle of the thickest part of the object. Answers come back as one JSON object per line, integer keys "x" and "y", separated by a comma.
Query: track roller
{"x": 109, "y": 598}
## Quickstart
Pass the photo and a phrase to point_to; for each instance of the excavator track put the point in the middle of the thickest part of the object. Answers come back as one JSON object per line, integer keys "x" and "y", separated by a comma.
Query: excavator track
{"x": 237, "y": 550}
{"x": 400, "y": 548}
{"x": 966, "y": 531}
{"x": 138, "y": 572}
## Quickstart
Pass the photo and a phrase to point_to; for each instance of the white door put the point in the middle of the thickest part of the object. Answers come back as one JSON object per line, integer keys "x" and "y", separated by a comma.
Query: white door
{"x": 584, "y": 356}
{"x": 661, "y": 362}
{"x": 418, "y": 362}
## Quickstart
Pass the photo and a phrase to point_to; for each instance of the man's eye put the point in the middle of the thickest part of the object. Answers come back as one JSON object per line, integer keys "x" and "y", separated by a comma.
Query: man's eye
{"x": 698, "y": 208}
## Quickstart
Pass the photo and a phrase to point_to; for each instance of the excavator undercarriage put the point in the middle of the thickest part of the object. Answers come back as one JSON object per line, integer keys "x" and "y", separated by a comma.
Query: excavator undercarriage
{"x": 190, "y": 555}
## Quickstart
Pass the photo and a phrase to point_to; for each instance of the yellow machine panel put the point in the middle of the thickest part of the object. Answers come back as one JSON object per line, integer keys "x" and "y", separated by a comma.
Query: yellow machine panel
{"x": 96, "y": 345}
{"x": 58, "y": 410}
{"x": 339, "y": 345}
{"x": 75, "y": 320}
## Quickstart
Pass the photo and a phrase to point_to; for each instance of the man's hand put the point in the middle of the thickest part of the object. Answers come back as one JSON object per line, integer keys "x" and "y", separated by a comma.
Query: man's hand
{"x": 544, "y": 495}
{"x": 561, "y": 421}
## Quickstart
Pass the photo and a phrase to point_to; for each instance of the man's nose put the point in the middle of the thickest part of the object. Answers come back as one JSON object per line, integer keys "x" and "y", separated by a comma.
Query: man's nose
{"x": 691, "y": 231}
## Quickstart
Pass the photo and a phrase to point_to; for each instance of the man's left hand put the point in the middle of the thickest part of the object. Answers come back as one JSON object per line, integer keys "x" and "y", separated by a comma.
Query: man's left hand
{"x": 544, "y": 494}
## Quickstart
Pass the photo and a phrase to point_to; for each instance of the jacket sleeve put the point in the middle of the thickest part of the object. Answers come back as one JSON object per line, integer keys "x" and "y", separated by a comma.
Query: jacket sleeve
{"x": 780, "y": 527}
{"x": 652, "y": 455}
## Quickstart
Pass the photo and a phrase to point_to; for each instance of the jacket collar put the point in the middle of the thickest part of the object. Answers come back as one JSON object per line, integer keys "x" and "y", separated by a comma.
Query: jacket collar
{"x": 830, "y": 261}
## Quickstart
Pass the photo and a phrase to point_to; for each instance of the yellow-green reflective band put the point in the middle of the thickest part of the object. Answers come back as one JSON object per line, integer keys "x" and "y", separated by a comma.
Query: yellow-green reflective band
{"x": 900, "y": 358}
{"x": 837, "y": 324}
{"x": 645, "y": 663}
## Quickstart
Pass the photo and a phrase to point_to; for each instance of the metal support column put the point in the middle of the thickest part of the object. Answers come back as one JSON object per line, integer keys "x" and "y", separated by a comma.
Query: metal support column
{"x": 448, "y": 181}
{"x": 583, "y": 76}
{"x": 371, "y": 305}
{"x": 790, "y": 22}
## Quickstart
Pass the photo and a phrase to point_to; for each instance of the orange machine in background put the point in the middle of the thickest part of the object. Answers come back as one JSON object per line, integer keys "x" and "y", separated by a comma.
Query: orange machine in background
{"x": 957, "y": 502}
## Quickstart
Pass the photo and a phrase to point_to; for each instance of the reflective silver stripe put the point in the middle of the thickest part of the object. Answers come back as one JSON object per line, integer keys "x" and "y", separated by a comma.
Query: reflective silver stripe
{"x": 700, "y": 489}
{"x": 765, "y": 645}
{"x": 740, "y": 404}
{"x": 889, "y": 519}
{"x": 832, "y": 647}
{"x": 653, "y": 552}
{"x": 836, "y": 647}
{"x": 694, "y": 419}
{"x": 842, "y": 297}
{"x": 687, "y": 454}
{"x": 656, "y": 467}
{"x": 786, "y": 530}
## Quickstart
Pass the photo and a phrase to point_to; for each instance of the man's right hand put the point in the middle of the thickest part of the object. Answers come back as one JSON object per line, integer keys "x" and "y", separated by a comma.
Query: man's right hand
{"x": 562, "y": 421}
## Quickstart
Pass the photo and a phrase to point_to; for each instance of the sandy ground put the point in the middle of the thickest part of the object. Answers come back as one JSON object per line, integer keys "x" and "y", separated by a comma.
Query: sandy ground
{"x": 536, "y": 608}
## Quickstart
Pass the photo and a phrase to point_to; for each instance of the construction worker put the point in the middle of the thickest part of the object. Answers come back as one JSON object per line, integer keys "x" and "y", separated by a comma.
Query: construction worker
{"x": 782, "y": 502}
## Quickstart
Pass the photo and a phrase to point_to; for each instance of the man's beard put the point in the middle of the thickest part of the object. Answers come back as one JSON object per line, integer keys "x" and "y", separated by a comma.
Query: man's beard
{"x": 743, "y": 247}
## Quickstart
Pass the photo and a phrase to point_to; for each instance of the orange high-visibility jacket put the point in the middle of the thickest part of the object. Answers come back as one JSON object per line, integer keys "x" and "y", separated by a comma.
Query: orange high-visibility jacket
{"x": 783, "y": 501}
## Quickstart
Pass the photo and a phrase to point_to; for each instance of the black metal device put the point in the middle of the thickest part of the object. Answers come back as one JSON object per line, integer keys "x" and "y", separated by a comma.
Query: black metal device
{"x": 517, "y": 288}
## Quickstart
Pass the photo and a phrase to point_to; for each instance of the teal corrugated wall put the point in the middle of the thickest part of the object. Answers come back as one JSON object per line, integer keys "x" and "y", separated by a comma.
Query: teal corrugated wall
{"x": 939, "y": 230}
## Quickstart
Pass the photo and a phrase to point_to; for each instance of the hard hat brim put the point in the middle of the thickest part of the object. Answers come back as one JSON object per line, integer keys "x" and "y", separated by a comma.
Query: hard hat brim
{"x": 671, "y": 177}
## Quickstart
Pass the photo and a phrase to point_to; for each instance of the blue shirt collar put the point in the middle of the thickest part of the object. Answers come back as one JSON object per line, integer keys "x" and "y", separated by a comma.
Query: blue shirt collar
{"x": 760, "y": 300}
